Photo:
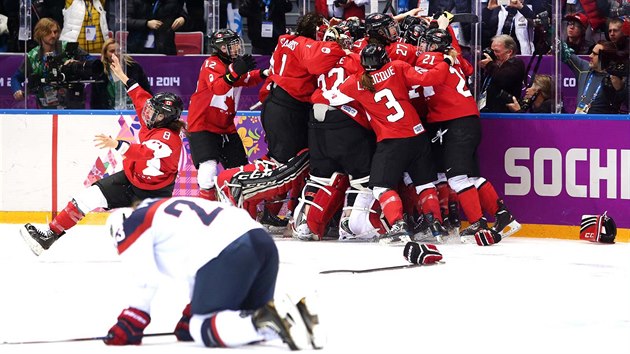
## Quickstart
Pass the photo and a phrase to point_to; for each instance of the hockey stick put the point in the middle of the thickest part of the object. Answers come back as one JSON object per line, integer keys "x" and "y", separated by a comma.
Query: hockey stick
{"x": 81, "y": 339}
{"x": 369, "y": 270}
{"x": 465, "y": 18}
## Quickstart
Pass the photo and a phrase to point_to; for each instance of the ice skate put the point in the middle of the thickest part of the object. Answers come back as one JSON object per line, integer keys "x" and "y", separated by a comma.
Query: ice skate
{"x": 38, "y": 240}
{"x": 468, "y": 234}
{"x": 397, "y": 235}
{"x": 284, "y": 319}
{"x": 311, "y": 320}
{"x": 453, "y": 215}
{"x": 274, "y": 224}
{"x": 347, "y": 235}
{"x": 504, "y": 223}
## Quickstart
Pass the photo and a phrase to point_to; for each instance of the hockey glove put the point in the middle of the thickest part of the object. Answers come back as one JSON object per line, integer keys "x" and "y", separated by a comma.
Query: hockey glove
{"x": 182, "y": 331}
{"x": 129, "y": 328}
{"x": 487, "y": 237}
{"x": 417, "y": 253}
{"x": 240, "y": 66}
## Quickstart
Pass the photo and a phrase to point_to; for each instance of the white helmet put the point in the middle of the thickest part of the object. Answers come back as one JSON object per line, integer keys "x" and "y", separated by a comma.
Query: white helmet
{"x": 114, "y": 224}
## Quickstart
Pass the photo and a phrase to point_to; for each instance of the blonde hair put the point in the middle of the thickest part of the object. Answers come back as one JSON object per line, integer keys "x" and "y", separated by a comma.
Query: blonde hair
{"x": 545, "y": 85}
{"x": 45, "y": 27}
{"x": 127, "y": 60}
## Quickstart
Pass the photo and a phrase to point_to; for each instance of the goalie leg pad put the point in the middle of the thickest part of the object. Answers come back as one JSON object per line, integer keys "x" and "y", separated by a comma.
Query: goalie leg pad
{"x": 328, "y": 199}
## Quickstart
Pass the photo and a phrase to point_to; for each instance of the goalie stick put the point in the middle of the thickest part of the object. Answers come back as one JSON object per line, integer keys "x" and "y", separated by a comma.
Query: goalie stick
{"x": 371, "y": 270}
{"x": 81, "y": 339}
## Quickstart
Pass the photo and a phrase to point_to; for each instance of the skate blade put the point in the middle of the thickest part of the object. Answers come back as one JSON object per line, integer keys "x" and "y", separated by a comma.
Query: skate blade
{"x": 510, "y": 229}
{"x": 297, "y": 327}
{"x": 35, "y": 247}
{"x": 469, "y": 240}
{"x": 311, "y": 319}
{"x": 394, "y": 241}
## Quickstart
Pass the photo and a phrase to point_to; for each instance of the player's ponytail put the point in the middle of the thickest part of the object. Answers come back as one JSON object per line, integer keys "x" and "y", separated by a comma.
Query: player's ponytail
{"x": 367, "y": 82}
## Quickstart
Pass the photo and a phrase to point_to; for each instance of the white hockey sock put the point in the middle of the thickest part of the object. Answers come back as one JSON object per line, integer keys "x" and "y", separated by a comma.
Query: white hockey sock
{"x": 232, "y": 329}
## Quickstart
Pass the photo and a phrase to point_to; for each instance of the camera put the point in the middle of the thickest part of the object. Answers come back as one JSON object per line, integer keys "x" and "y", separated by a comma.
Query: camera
{"x": 340, "y": 3}
{"x": 624, "y": 10}
{"x": 614, "y": 62}
{"x": 542, "y": 24}
{"x": 58, "y": 73}
{"x": 505, "y": 96}
{"x": 490, "y": 53}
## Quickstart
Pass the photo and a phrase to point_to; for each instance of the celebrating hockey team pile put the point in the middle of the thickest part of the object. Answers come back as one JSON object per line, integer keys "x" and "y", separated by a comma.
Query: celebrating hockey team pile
{"x": 372, "y": 136}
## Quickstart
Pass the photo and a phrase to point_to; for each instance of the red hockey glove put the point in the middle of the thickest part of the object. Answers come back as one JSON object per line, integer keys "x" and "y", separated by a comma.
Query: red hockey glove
{"x": 487, "y": 237}
{"x": 182, "y": 331}
{"x": 417, "y": 253}
{"x": 129, "y": 328}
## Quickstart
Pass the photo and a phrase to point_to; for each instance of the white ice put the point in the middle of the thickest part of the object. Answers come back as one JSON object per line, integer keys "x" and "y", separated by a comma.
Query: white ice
{"x": 524, "y": 295}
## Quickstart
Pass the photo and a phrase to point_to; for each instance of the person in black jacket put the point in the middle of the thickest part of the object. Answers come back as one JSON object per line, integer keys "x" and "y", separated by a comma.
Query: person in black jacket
{"x": 266, "y": 21}
{"x": 152, "y": 25}
{"x": 104, "y": 92}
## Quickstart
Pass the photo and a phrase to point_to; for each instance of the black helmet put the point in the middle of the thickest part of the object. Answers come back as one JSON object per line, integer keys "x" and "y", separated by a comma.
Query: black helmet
{"x": 227, "y": 45}
{"x": 438, "y": 40}
{"x": 414, "y": 35}
{"x": 381, "y": 27}
{"x": 339, "y": 34}
{"x": 408, "y": 22}
{"x": 165, "y": 103}
{"x": 373, "y": 57}
{"x": 355, "y": 27}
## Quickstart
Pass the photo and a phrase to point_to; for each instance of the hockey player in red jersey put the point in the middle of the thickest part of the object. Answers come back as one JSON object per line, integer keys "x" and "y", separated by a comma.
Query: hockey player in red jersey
{"x": 227, "y": 263}
{"x": 402, "y": 145}
{"x": 455, "y": 129}
{"x": 382, "y": 29}
{"x": 212, "y": 133}
{"x": 149, "y": 168}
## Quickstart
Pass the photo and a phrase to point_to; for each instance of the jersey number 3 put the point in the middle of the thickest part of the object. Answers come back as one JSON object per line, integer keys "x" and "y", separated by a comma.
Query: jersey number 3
{"x": 391, "y": 103}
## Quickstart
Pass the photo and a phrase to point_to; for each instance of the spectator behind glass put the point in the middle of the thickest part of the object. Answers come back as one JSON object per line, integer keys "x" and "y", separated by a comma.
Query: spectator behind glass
{"x": 85, "y": 21}
{"x": 266, "y": 22}
{"x": 39, "y": 10}
{"x": 598, "y": 91}
{"x": 538, "y": 97}
{"x": 616, "y": 35}
{"x": 576, "y": 33}
{"x": 506, "y": 73}
{"x": 51, "y": 95}
{"x": 152, "y": 25}
{"x": 510, "y": 19}
{"x": 104, "y": 92}
{"x": 347, "y": 8}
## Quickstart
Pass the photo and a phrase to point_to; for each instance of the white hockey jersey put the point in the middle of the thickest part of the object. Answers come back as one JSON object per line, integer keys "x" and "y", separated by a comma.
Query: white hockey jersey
{"x": 175, "y": 237}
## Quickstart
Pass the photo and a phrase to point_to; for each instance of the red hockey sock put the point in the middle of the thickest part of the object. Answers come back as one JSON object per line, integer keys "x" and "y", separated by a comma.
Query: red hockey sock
{"x": 408, "y": 197}
{"x": 67, "y": 218}
{"x": 469, "y": 201}
{"x": 429, "y": 203}
{"x": 443, "y": 194}
{"x": 274, "y": 206}
{"x": 391, "y": 205}
{"x": 488, "y": 198}
{"x": 209, "y": 194}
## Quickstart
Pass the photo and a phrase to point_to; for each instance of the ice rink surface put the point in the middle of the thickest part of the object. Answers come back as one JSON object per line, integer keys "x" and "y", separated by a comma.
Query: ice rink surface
{"x": 524, "y": 295}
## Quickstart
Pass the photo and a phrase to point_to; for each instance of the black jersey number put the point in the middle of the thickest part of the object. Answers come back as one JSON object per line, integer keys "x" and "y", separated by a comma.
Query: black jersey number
{"x": 205, "y": 218}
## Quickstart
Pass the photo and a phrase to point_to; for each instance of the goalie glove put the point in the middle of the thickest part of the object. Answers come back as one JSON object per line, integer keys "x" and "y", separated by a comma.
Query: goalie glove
{"x": 129, "y": 329}
{"x": 487, "y": 237}
{"x": 598, "y": 228}
{"x": 418, "y": 253}
{"x": 182, "y": 329}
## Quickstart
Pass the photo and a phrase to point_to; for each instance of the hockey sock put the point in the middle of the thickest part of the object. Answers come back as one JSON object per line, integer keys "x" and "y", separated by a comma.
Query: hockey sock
{"x": 443, "y": 192}
{"x": 488, "y": 198}
{"x": 469, "y": 201}
{"x": 428, "y": 203}
{"x": 67, "y": 218}
{"x": 452, "y": 196}
{"x": 409, "y": 198}
{"x": 391, "y": 205}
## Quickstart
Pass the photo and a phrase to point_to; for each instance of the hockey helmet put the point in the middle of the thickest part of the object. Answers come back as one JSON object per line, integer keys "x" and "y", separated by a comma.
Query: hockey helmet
{"x": 373, "y": 57}
{"x": 340, "y": 35}
{"x": 382, "y": 28}
{"x": 355, "y": 27}
{"x": 115, "y": 222}
{"x": 415, "y": 35}
{"x": 408, "y": 22}
{"x": 438, "y": 40}
{"x": 162, "y": 109}
{"x": 227, "y": 44}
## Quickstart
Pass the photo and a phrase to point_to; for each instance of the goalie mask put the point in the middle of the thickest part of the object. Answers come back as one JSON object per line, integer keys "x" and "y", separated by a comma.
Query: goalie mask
{"x": 115, "y": 222}
{"x": 374, "y": 57}
{"x": 598, "y": 228}
{"x": 340, "y": 35}
{"x": 438, "y": 40}
{"x": 162, "y": 109}
{"x": 382, "y": 28}
{"x": 227, "y": 45}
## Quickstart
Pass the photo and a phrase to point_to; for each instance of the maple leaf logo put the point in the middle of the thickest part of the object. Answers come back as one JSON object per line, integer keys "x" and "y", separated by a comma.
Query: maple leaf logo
{"x": 231, "y": 105}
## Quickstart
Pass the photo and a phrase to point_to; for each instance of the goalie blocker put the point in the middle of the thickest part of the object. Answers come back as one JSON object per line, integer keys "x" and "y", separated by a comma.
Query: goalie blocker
{"x": 598, "y": 228}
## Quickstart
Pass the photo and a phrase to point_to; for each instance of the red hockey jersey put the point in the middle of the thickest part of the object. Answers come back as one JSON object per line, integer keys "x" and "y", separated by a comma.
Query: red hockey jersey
{"x": 389, "y": 110}
{"x": 396, "y": 51}
{"x": 212, "y": 107}
{"x": 451, "y": 99}
{"x": 153, "y": 163}
{"x": 331, "y": 80}
{"x": 297, "y": 61}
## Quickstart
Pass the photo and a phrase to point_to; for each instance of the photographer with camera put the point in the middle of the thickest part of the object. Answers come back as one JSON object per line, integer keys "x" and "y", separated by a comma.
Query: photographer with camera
{"x": 503, "y": 71}
{"x": 602, "y": 80}
{"x": 54, "y": 69}
{"x": 538, "y": 97}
